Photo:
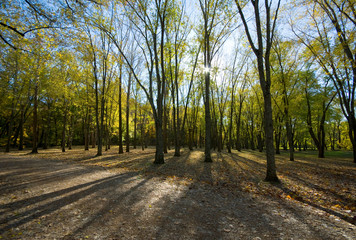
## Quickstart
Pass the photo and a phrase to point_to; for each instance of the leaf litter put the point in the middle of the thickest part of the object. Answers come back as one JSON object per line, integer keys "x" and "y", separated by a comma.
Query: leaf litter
{"x": 75, "y": 195}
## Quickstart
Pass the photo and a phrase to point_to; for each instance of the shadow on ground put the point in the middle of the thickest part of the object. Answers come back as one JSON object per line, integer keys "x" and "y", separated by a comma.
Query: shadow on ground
{"x": 42, "y": 197}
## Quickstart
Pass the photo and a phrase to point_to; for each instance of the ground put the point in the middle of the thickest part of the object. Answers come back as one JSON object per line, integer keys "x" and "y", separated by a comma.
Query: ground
{"x": 75, "y": 195}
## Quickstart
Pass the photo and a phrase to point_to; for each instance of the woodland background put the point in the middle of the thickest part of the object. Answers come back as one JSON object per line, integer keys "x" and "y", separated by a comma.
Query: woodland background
{"x": 178, "y": 73}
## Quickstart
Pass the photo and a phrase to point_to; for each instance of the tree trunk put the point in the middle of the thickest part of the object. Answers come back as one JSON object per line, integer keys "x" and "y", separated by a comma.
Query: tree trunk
{"x": 22, "y": 116}
{"x": 143, "y": 134}
{"x": 10, "y": 128}
{"x": 63, "y": 142}
{"x": 352, "y": 136}
{"x": 135, "y": 124}
{"x": 121, "y": 149}
{"x": 102, "y": 115}
{"x": 16, "y": 136}
{"x": 97, "y": 119}
{"x": 290, "y": 138}
{"x": 229, "y": 146}
{"x": 259, "y": 140}
{"x": 238, "y": 124}
{"x": 177, "y": 129}
{"x": 220, "y": 135}
{"x": 207, "y": 119}
{"x": 278, "y": 140}
{"x": 165, "y": 122}
{"x": 252, "y": 140}
{"x": 93, "y": 136}
{"x": 127, "y": 137}
{"x": 159, "y": 156}
{"x": 271, "y": 174}
{"x": 264, "y": 72}
{"x": 34, "y": 124}
{"x": 48, "y": 127}
{"x": 190, "y": 142}
{"x": 70, "y": 135}
{"x": 87, "y": 131}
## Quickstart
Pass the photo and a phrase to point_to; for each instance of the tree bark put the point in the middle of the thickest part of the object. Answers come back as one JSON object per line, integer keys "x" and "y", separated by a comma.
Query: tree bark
{"x": 22, "y": 116}
{"x": 264, "y": 72}
{"x": 121, "y": 149}
{"x": 159, "y": 156}
{"x": 278, "y": 139}
{"x": 34, "y": 124}
{"x": 135, "y": 123}
{"x": 165, "y": 122}
{"x": 127, "y": 137}
{"x": 207, "y": 118}
{"x": 70, "y": 134}
{"x": 63, "y": 142}
{"x": 97, "y": 118}
{"x": 10, "y": 128}
{"x": 48, "y": 127}
{"x": 86, "y": 130}
{"x": 229, "y": 146}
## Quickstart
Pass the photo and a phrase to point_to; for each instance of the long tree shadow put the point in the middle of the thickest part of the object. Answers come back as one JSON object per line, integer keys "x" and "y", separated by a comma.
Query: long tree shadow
{"x": 329, "y": 191}
{"x": 51, "y": 195}
{"x": 115, "y": 199}
{"x": 11, "y": 187}
{"x": 58, "y": 199}
{"x": 122, "y": 204}
{"x": 250, "y": 168}
{"x": 209, "y": 212}
{"x": 161, "y": 220}
{"x": 300, "y": 199}
{"x": 20, "y": 174}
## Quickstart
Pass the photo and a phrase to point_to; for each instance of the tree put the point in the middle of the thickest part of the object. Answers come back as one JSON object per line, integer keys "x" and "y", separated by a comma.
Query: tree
{"x": 238, "y": 114}
{"x": 235, "y": 74}
{"x": 148, "y": 22}
{"x": 329, "y": 38}
{"x": 286, "y": 62}
{"x": 121, "y": 149}
{"x": 134, "y": 64}
{"x": 325, "y": 96}
{"x": 100, "y": 56}
{"x": 264, "y": 70}
{"x": 177, "y": 41}
{"x": 215, "y": 29}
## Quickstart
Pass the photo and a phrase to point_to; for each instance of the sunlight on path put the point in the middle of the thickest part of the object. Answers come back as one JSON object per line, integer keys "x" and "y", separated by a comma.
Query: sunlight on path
{"x": 47, "y": 199}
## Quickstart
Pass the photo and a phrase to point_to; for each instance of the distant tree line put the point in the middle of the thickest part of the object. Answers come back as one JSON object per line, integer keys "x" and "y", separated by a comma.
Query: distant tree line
{"x": 219, "y": 75}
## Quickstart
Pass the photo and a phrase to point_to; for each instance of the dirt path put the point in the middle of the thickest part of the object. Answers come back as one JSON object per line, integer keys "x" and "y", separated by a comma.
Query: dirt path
{"x": 52, "y": 199}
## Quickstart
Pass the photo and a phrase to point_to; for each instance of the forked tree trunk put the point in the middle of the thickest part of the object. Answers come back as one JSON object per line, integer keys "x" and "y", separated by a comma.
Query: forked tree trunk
{"x": 264, "y": 71}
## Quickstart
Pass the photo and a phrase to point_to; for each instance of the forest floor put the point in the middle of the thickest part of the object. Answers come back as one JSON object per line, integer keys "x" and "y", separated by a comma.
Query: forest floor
{"x": 75, "y": 195}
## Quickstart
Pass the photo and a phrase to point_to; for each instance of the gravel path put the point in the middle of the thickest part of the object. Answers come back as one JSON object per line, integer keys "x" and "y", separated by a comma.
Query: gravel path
{"x": 49, "y": 199}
